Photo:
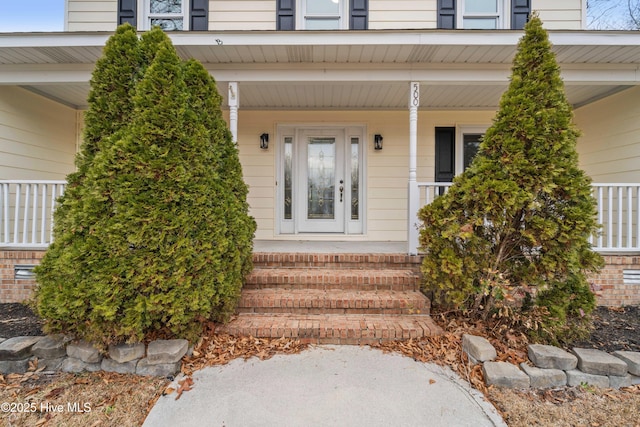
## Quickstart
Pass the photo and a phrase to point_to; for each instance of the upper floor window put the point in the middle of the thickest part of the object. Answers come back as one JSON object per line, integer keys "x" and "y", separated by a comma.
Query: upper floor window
{"x": 481, "y": 14}
{"x": 168, "y": 14}
{"x": 323, "y": 14}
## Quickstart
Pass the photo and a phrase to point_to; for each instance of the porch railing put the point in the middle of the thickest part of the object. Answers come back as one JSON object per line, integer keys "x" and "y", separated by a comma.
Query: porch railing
{"x": 618, "y": 213}
{"x": 26, "y": 212}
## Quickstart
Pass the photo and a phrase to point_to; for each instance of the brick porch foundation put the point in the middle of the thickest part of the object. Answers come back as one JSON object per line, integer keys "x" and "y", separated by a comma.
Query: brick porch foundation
{"x": 608, "y": 286}
{"x": 12, "y": 289}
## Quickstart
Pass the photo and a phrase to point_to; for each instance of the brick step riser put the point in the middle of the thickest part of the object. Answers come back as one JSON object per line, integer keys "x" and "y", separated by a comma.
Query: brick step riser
{"x": 314, "y": 310}
{"x": 284, "y": 278}
{"x": 262, "y": 303}
{"x": 370, "y": 333}
{"x": 347, "y": 266}
{"x": 337, "y": 337}
{"x": 330, "y": 287}
{"x": 340, "y": 261}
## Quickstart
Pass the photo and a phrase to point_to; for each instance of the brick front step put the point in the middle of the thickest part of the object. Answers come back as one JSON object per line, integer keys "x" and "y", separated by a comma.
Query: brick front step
{"x": 332, "y": 301}
{"x": 360, "y": 261}
{"x": 351, "y": 329}
{"x": 324, "y": 279}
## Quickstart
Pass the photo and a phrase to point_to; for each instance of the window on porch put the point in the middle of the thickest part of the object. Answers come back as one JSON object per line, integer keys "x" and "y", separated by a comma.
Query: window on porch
{"x": 470, "y": 147}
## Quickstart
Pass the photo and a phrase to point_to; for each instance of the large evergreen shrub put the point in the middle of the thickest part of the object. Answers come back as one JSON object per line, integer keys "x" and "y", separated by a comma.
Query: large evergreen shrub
{"x": 522, "y": 213}
{"x": 145, "y": 244}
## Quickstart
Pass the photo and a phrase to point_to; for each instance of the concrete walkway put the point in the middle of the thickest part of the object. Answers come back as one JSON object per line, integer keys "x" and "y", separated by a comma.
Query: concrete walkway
{"x": 326, "y": 386}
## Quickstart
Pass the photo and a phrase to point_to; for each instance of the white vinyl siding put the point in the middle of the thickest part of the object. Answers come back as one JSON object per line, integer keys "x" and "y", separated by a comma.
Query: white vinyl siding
{"x": 238, "y": 15}
{"x": 609, "y": 147}
{"x": 91, "y": 15}
{"x": 417, "y": 14}
{"x": 561, "y": 15}
{"x": 402, "y": 14}
{"x": 387, "y": 170}
{"x": 251, "y": 15}
{"x": 37, "y": 136}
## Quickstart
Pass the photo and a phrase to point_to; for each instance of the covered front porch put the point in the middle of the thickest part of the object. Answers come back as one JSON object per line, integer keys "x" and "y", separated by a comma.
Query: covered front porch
{"x": 379, "y": 101}
{"x": 383, "y": 96}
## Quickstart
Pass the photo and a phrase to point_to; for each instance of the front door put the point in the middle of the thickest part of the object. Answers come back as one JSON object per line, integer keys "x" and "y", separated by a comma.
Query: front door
{"x": 321, "y": 178}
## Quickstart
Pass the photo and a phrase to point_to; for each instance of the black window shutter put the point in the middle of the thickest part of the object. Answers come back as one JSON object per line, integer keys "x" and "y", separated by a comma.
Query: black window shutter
{"x": 447, "y": 14}
{"x": 359, "y": 15}
{"x": 520, "y": 10}
{"x": 127, "y": 12}
{"x": 199, "y": 15}
{"x": 445, "y": 154}
{"x": 286, "y": 15}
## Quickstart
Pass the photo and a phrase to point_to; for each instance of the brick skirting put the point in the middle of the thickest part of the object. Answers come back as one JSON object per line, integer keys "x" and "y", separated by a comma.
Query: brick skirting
{"x": 12, "y": 289}
{"x": 608, "y": 286}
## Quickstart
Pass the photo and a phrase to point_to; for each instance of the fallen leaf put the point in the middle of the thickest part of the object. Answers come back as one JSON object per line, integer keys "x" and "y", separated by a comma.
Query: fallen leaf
{"x": 54, "y": 393}
{"x": 185, "y": 385}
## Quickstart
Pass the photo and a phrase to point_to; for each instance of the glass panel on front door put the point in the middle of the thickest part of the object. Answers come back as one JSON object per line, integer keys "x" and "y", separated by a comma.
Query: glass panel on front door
{"x": 321, "y": 168}
{"x": 355, "y": 178}
{"x": 288, "y": 177}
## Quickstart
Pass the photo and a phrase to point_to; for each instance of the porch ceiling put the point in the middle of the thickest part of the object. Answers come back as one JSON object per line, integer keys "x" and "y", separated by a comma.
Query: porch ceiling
{"x": 350, "y": 96}
{"x": 340, "y": 70}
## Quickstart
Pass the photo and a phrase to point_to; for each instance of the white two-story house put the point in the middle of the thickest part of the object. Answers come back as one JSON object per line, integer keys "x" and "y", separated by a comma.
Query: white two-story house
{"x": 349, "y": 114}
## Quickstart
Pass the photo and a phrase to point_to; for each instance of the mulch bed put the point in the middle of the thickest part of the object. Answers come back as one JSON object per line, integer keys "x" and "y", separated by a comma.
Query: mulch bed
{"x": 614, "y": 328}
{"x": 18, "y": 320}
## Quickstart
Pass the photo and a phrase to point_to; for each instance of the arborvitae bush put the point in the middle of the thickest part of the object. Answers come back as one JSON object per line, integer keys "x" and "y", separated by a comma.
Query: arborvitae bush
{"x": 148, "y": 245}
{"x": 205, "y": 101}
{"x": 521, "y": 215}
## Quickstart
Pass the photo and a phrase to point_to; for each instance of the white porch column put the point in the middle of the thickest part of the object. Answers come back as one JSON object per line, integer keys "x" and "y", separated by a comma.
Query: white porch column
{"x": 414, "y": 193}
{"x": 233, "y": 110}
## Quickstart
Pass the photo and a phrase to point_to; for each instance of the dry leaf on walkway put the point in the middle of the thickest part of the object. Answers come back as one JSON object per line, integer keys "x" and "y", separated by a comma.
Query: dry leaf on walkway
{"x": 185, "y": 385}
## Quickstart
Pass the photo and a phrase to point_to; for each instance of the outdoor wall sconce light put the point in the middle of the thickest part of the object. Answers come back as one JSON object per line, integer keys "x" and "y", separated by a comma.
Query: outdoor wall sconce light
{"x": 377, "y": 142}
{"x": 264, "y": 141}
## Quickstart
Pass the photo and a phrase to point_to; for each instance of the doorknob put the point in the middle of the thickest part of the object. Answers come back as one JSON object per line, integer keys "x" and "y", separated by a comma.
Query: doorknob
{"x": 341, "y": 189}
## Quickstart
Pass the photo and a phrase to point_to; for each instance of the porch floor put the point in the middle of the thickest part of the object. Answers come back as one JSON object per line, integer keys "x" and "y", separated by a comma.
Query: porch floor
{"x": 329, "y": 246}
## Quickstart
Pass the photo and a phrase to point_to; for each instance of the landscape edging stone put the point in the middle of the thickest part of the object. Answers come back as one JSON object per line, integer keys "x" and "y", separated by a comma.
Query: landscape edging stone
{"x": 16, "y": 354}
{"x": 605, "y": 372}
